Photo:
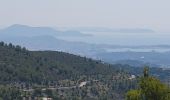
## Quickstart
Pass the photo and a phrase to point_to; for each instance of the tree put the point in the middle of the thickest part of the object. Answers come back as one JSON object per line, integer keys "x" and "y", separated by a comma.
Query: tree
{"x": 9, "y": 93}
{"x": 18, "y": 48}
{"x": 10, "y": 45}
{"x": 134, "y": 95}
{"x": 146, "y": 71}
{"x": 49, "y": 93}
{"x": 150, "y": 88}
{"x": 2, "y": 43}
{"x": 38, "y": 92}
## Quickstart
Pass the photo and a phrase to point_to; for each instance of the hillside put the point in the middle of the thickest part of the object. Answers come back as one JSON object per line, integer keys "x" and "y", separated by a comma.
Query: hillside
{"x": 25, "y": 74}
{"x": 18, "y": 64}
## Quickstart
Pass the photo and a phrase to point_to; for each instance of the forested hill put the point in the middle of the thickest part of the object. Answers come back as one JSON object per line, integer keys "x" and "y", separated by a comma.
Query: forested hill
{"x": 20, "y": 65}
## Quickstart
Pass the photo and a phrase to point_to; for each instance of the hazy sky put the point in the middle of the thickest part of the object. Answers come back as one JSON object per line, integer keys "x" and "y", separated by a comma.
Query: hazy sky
{"x": 152, "y": 14}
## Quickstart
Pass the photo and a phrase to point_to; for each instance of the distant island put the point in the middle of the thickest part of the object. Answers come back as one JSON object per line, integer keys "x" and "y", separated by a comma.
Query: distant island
{"x": 113, "y": 30}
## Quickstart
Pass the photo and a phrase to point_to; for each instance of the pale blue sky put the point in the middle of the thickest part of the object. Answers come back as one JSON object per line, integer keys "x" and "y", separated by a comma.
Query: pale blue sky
{"x": 152, "y": 14}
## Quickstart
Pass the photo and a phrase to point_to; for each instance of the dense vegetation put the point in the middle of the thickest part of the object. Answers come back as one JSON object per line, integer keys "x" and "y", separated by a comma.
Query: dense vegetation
{"x": 31, "y": 74}
{"x": 150, "y": 88}
{"x": 19, "y": 65}
{"x": 35, "y": 74}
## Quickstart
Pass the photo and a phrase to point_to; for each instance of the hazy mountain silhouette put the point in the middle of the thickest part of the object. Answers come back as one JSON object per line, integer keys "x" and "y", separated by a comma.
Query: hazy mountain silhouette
{"x": 45, "y": 38}
{"x": 23, "y": 30}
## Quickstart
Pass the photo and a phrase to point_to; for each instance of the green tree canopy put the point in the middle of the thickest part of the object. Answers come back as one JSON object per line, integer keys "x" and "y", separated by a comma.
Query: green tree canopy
{"x": 150, "y": 88}
{"x": 134, "y": 95}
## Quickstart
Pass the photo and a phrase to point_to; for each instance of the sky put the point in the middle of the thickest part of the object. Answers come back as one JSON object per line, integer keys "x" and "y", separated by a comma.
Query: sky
{"x": 152, "y": 14}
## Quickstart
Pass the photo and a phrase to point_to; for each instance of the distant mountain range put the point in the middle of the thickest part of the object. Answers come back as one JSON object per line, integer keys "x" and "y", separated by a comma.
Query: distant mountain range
{"x": 45, "y": 38}
{"x": 23, "y": 30}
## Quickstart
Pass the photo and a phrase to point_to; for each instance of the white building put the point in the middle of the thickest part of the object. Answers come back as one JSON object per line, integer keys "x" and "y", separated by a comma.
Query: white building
{"x": 45, "y": 98}
{"x": 132, "y": 77}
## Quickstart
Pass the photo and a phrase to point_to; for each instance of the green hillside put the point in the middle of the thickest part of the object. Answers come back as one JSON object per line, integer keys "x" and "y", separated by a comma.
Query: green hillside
{"x": 20, "y": 65}
{"x": 60, "y": 73}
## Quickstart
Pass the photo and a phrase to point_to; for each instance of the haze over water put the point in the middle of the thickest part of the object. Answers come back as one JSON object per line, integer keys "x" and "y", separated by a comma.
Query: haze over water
{"x": 123, "y": 38}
